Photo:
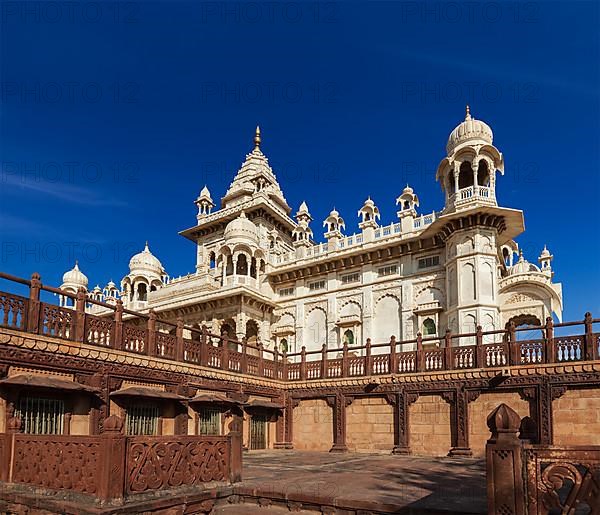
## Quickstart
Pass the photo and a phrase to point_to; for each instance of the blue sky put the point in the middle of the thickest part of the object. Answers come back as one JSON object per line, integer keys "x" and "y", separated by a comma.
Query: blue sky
{"x": 113, "y": 117}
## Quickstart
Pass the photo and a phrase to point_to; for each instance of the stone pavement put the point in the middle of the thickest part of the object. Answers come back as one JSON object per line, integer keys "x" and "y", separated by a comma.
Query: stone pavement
{"x": 370, "y": 482}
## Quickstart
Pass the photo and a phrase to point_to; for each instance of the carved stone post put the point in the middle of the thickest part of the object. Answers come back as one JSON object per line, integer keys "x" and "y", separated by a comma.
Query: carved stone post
{"x": 550, "y": 350}
{"x": 235, "y": 442}
{"x": 204, "y": 346}
{"x": 303, "y": 363}
{"x": 368, "y": 359}
{"x": 13, "y": 426}
{"x": 420, "y": 363}
{"x": 459, "y": 419}
{"x": 179, "y": 350}
{"x": 324, "y": 361}
{"x": 224, "y": 351}
{"x": 111, "y": 480}
{"x": 284, "y": 365}
{"x": 79, "y": 329}
{"x": 118, "y": 341}
{"x": 345, "y": 371}
{"x": 479, "y": 354}
{"x": 244, "y": 357}
{"x": 338, "y": 403}
{"x": 33, "y": 315}
{"x": 401, "y": 402}
{"x": 590, "y": 347}
{"x": 504, "y": 463}
{"x": 151, "y": 338}
{"x": 515, "y": 358}
{"x": 448, "y": 364}
{"x": 261, "y": 361}
{"x": 393, "y": 360}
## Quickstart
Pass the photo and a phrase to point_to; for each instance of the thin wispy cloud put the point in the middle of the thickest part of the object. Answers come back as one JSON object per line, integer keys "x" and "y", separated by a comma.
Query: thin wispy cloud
{"x": 18, "y": 185}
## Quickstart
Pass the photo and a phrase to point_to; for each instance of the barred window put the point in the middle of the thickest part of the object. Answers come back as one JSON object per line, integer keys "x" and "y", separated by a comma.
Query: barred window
{"x": 351, "y": 278}
{"x": 429, "y": 262}
{"x": 209, "y": 421}
{"x": 286, "y": 292}
{"x": 41, "y": 416}
{"x": 142, "y": 419}
{"x": 318, "y": 285}
{"x": 387, "y": 270}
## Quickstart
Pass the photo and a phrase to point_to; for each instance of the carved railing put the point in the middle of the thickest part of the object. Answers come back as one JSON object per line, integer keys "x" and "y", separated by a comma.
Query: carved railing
{"x": 525, "y": 478}
{"x": 13, "y": 311}
{"x": 113, "y": 466}
{"x": 142, "y": 333}
{"x": 164, "y": 462}
{"x": 57, "y": 462}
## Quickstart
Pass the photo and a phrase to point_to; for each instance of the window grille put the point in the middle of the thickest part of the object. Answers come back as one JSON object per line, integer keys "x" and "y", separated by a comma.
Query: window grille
{"x": 351, "y": 278}
{"x": 142, "y": 419}
{"x": 387, "y": 270}
{"x": 429, "y": 262}
{"x": 286, "y": 292}
{"x": 318, "y": 285}
{"x": 41, "y": 416}
{"x": 209, "y": 421}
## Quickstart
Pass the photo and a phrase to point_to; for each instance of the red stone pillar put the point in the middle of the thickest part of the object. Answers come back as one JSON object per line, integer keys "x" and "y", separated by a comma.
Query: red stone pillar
{"x": 590, "y": 351}
{"x": 79, "y": 330}
{"x": 118, "y": 334}
{"x": 368, "y": 359}
{"x": 401, "y": 402}
{"x": 179, "y": 349}
{"x": 13, "y": 426}
{"x": 33, "y": 315}
{"x": 459, "y": 418}
{"x": 151, "y": 334}
{"x": 235, "y": 449}
{"x": 338, "y": 403}
{"x": 504, "y": 463}
{"x": 111, "y": 480}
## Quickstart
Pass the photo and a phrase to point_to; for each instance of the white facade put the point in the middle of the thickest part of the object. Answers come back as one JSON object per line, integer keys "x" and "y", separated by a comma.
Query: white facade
{"x": 259, "y": 274}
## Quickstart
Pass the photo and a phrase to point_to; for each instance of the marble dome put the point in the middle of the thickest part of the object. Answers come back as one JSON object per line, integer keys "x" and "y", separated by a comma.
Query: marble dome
{"x": 471, "y": 130}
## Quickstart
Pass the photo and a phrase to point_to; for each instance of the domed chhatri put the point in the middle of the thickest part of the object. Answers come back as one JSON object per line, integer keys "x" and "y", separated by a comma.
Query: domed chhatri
{"x": 241, "y": 228}
{"x": 145, "y": 261}
{"x": 469, "y": 131}
{"x": 75, "y": 277}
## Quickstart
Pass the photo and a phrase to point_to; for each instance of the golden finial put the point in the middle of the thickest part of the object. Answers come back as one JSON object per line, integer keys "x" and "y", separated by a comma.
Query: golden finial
{"x": 257, "y": 138}
{"x": 468, "y": 114}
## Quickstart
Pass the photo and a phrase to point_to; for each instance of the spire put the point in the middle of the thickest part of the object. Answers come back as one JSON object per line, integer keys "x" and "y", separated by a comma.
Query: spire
{"x": 257, "y": 139}
{"x": 468, "y": 113}
{"x": 146, "y": 249}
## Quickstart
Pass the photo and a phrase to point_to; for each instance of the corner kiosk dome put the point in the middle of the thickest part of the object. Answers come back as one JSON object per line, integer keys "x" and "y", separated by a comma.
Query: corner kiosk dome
{"x": 469, "y": 131}
{"x": 522, "y": 267}
{"x": 241, "y": 228}
{"x": 75, "y": 277}
{"x": 145, "y": 261}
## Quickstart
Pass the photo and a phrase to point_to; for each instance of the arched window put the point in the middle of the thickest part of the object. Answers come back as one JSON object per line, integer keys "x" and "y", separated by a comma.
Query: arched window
{"x": 429, "y": 327}
{"x": 349, "y": 337}
{"x": 283, "y": 345}
{"x": 451, "y": 185}
{"x": 212, "y": 261}
{"x": 242, "y": 265}
{"x": 406, "y": 204}
{"x": 466, "y": 177}
{"x": 483, "y": 174}
{"x": 142, "y": 292}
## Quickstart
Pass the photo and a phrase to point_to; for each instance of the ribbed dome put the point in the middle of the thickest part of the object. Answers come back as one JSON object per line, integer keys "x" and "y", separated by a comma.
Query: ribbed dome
{"x": 146, "y": 261}
{"x": 241, "y": 228}
{"x": 469, "y": 130}
{"x": 522, "y": 267}
{"x": 75, "y": 277}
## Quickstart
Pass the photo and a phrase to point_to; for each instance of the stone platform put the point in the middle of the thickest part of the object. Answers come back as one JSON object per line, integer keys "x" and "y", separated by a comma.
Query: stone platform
{"x": 349, "y": 482}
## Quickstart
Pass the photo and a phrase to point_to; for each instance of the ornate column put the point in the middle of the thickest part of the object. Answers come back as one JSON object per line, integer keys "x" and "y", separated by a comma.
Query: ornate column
{"x": 338, "y": 403}
{"x": 285, "y": 424}
{"x": 540, "y": 399}
{"x": 401, "y": 402}
{"x": 459, "y": 420}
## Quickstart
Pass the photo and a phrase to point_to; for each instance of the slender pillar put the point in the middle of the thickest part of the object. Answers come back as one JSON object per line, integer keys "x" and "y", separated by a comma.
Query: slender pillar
{"x": 459, "y": 407}
{"x": 338, "y": 403}
{"x": 401, "y": 402}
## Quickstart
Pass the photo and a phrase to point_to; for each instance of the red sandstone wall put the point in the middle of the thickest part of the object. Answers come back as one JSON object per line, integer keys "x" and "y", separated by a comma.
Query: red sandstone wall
{"x": 370, "y": 425}
{"x": 577, "y": 417}
{"x": 313, "y": 426}
{"x": 430, "y": 426}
